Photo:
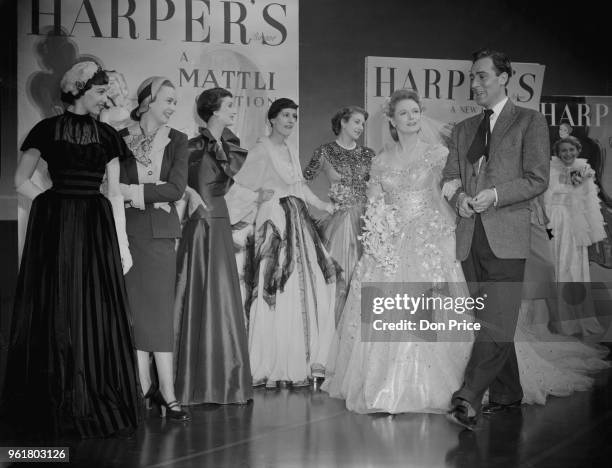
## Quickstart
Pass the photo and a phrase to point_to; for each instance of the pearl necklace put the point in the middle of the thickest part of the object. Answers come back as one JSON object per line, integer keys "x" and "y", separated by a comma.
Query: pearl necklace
{"x": 344, "y": 147}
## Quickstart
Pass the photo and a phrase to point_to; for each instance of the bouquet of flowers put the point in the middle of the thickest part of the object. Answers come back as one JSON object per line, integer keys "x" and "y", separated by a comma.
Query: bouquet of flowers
{"x": 577, "y": 176}
{"x": 341, "y": 195}
{"x": 381, "y": 226}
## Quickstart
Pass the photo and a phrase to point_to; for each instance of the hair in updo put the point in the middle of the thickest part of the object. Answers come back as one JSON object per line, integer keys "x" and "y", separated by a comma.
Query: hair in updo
{"x": 99, "y": 78}
{"x": 344, "y": 114}
{"x": 391, "y": 104}
{"x": 209, "y": 101}
{"x": 277, "y": 106}
{"x": 568, "y": 139}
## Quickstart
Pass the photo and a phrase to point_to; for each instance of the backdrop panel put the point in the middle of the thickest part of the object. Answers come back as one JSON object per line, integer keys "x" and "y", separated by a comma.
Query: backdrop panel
{"x": 443, "y": 85}
{"x": 250, "y": 48}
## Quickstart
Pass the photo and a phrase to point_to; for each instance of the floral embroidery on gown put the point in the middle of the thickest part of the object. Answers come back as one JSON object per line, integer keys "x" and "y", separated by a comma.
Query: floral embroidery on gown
{"x": 418, "y": 376}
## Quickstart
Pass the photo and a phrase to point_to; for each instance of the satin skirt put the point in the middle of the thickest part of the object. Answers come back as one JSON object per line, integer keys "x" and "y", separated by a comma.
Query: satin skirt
{"x": 71, "y": 363}
{"x": 340, "y": 233}
{"x": 211, "y": 350}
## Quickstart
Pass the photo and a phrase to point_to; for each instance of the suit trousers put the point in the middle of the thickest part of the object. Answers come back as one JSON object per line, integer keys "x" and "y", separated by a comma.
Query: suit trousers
{"x": 493, "y": 363}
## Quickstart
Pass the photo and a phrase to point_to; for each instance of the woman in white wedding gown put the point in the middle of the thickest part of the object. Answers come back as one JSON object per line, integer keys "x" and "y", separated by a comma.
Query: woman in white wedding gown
{"x": 412, "y": 375}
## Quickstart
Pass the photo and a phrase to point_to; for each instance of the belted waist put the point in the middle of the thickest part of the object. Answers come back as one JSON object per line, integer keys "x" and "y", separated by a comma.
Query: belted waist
{"x": 76, "y": 182}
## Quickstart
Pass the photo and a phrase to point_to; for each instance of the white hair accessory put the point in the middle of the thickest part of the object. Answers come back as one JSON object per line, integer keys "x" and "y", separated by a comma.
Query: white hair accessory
{"x": 75, "y": 79}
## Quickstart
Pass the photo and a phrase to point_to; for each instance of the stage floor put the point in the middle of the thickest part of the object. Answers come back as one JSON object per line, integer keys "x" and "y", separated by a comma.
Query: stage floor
{"x": 306, "y": 428}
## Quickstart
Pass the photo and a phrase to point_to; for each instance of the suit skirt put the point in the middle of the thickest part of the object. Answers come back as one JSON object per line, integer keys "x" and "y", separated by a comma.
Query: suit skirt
{"x": 151, "y": 287}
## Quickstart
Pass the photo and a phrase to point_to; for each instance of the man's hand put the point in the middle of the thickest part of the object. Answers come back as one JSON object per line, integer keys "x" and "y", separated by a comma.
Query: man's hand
{"x": 483, "y": 200}
{"x": 465, "y": 210}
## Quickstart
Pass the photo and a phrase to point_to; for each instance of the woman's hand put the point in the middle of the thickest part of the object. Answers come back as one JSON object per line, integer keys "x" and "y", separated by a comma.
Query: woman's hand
{"x": 450, "y": 187}
{"x": 194, "y": 200}
{"x": 126, "y": 258}
{"x": 330, "y": 208}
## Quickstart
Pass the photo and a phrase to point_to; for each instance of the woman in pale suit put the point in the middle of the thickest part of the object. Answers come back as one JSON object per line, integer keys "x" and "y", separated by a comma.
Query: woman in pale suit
{"x": 152, "y": 180}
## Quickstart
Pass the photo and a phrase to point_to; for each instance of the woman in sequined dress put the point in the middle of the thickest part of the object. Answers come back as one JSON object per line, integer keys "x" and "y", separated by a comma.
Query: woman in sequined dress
{"x": 347, "y": 167}
{"x": 408, "y": 371}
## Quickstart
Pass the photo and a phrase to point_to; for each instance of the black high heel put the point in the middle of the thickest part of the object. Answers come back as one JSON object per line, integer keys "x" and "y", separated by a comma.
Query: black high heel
{"x": 166, "y": 410}
{"x": 150, "y": 395}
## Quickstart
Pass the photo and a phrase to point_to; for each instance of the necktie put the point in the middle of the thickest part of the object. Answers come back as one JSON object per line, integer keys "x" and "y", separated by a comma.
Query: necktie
{"x": 480, "y": 145}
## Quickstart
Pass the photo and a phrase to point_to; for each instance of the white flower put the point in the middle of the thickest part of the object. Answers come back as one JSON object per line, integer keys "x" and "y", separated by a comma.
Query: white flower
{"x": 380, "y": 230}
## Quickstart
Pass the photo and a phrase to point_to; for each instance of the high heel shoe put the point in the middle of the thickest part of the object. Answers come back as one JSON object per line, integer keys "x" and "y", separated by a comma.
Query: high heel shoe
{"x": 148, "y": 397}
{"x": 166, "y": 409}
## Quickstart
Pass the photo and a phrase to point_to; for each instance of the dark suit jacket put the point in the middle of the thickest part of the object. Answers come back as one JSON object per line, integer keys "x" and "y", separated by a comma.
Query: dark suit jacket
{"x": 518, "y": 167}
{"x": 152, "y": 222}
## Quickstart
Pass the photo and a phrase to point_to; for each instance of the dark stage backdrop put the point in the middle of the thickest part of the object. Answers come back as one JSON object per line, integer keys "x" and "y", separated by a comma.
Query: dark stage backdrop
{"x": 336, "y": 36}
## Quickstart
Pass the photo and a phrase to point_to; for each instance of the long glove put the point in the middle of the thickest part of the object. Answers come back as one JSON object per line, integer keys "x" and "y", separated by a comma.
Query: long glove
{"x": 29, "y": 189}
{"x": 124, "y": 246}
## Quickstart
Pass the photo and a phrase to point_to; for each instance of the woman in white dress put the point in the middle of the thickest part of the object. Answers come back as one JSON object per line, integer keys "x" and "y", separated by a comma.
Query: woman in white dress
{"x": 575, "y": 218}
{"x": 410, "y": 374}
{"x": 291, "y": 288}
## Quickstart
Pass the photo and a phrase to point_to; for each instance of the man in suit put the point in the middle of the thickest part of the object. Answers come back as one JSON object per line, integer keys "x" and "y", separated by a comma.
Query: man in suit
{"x": 501, "y": 158}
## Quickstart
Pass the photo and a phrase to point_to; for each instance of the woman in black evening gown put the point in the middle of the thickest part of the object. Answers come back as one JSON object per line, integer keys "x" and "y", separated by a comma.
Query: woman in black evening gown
{"x": 71, "y": 360}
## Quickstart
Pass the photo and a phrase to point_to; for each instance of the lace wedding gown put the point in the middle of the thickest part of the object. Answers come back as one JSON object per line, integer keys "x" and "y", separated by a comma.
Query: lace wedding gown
{"x": 419, "y": 376}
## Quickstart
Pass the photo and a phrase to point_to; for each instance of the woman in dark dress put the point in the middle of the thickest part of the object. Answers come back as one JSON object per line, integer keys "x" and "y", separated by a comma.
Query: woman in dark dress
{"x": 212, "y": 362}
{"x": 71, "y": 359}
{"x": 151, "y": 182}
